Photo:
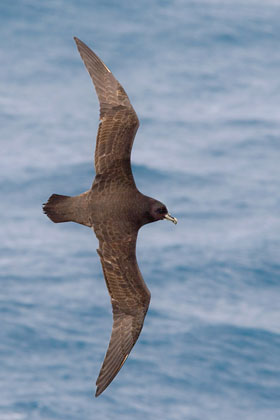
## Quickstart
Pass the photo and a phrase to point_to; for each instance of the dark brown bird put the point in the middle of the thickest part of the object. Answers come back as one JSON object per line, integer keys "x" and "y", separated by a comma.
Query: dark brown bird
{"x": 116, "y": 210}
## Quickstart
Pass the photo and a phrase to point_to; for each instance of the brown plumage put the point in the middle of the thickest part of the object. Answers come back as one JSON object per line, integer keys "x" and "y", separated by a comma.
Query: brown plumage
{"x": 116, "y": 210}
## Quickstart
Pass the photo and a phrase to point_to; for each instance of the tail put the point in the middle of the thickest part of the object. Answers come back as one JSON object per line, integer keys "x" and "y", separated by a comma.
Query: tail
{"x": 62, "y": 208}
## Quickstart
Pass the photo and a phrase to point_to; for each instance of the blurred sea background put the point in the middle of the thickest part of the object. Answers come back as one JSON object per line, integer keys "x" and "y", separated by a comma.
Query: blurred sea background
{"x": 204, "y": 78}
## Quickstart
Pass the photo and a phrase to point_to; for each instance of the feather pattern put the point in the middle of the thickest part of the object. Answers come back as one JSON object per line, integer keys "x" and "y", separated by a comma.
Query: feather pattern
{"x": 130, "y": 296}
{"x": 118, "y": 122}
{"x": 116, "y": 210}
{"x": 130, "y": 299}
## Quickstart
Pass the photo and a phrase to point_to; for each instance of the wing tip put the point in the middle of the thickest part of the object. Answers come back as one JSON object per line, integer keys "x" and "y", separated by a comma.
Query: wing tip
{"x": 82, "y": 46}
{"x": 98, "y": 392}
{"x": 79, "y": 43}
{"x": 77, "y": 40}
{"x": 102, "y": 385}
{"x": 100, "y": 388}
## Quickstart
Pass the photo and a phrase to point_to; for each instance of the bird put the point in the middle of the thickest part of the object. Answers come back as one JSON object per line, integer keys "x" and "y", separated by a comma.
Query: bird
{"x": 115, "y": 209}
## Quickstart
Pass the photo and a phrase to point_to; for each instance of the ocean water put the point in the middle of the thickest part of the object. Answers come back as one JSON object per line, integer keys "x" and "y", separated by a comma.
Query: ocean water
{"x": 204, "y": 78}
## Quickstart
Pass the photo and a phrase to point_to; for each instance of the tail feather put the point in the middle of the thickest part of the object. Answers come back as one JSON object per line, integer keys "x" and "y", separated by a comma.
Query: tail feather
{"x": 56, "y": 208}
{"x": 62, "y": 208}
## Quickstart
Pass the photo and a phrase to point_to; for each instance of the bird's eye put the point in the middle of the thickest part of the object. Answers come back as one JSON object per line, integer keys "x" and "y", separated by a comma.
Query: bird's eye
{"x": 161, "y": 210}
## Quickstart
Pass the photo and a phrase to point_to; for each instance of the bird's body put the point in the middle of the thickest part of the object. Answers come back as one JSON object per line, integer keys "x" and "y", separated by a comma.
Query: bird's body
{"x": 116, "y": 210}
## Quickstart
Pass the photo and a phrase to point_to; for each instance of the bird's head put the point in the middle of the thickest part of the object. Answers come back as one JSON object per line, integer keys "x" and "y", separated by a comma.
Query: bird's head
{"x": 158, "y": 211}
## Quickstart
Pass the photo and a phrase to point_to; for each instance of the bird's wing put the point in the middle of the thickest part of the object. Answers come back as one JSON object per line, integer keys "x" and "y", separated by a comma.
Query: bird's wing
{"x": 130, "y": 299}
{"x": 118, "y": 121}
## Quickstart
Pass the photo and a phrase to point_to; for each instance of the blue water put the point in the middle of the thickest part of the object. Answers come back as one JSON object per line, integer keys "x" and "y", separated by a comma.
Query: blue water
{"x": 204, "y": 78}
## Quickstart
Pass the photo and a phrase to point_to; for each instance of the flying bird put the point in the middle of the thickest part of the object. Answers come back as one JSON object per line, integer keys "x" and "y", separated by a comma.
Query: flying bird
{"x": 115, "y": 209}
